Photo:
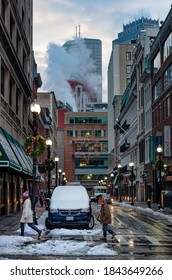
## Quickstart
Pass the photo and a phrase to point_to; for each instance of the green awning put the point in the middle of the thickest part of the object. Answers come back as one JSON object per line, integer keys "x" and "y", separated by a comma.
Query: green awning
{"x": 17, "y": 152}
{"x": 7, "y": 156}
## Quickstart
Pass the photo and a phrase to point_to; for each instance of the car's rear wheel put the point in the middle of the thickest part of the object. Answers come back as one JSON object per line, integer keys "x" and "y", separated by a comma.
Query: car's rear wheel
{"x": 91, "y": 222}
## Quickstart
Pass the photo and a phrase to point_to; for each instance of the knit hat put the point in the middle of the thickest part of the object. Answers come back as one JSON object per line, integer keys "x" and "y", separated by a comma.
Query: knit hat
{"x": 101, "y": 198}
{"x": 26, "y": 194}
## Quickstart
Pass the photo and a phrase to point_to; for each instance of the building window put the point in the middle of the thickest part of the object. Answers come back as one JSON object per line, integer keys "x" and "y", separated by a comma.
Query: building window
{"x": 89, "y": 120}
{"x": 128, "y": 69}
{"x": 156, "y": 63}
{"x": 167, "y": 48}
{"x": 91, "y": 162}
{"x": 24, "y": 61}
{"x": 167, "y": 77}
{"x": 91, "y": 146}
{"x": 2, "y": 80}
{"x": 10, "y": 92}
{"x": 142, "y": 151}
{"x": 128, "y": 56}
{"x": 100, "y": 133}
{"x": 156, "y": 90}
{"x": 17, "y": 101}
{"x": 72, "y": 133}
{"x": 166, "y": 107}
{"x": 86, "y": 133}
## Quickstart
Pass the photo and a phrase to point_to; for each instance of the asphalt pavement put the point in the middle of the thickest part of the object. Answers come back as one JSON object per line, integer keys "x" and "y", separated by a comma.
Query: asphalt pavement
{"x": 9, "y": 224}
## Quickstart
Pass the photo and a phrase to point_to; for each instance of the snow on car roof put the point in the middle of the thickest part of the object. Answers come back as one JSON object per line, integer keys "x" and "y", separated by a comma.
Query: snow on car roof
{"x": 69, "y": 197}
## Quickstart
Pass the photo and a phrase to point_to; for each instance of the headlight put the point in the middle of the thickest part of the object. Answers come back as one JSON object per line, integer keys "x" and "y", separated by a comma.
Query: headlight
{"x": 54, "y": 211}
{"x": 85, "y": 210}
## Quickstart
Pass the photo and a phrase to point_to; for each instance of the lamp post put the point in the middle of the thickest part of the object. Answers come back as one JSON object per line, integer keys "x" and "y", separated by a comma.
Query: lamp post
{"x": 56, "y": 161}
{"x": 131, "y": 164}
{"x": 63, "y": 179}
{"x": 60, "y": 171}
{"x": 119, "y": 182}
{"x": 49, "y": 144}
{"x": 159, "y": 150}
{"x": 35, "y": 109}
{"x": 111, "y": 175}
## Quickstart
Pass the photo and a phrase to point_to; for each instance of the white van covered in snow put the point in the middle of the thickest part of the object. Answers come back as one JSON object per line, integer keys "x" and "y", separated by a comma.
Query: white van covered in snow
{"x": 70, "y": 207}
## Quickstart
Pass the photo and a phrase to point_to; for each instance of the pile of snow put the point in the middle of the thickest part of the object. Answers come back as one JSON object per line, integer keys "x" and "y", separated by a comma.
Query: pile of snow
{"x": 27, "y": 245}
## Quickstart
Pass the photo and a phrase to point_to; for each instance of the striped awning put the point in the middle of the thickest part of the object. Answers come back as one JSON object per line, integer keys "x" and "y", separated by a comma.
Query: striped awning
{"x": 12, "y": 154}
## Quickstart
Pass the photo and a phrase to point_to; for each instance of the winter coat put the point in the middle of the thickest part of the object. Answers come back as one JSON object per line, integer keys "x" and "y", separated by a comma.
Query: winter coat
{"x": 27, "y": 214}
{"x": 105, "y": 216}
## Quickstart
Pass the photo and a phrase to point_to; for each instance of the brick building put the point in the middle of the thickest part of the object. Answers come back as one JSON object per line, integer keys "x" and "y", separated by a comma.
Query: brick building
{"x": 85, "y": 146}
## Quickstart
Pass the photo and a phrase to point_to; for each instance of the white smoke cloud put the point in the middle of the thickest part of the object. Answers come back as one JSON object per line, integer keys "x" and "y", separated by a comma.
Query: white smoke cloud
{"x": 76, "y": 64}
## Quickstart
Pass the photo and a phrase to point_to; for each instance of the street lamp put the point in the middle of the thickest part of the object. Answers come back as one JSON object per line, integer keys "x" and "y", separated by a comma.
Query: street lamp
{"x": 60, "y": 171}
{"x": 131, "y": 164}
{"x": 56, "y": 161}
{"x": 111, "y": 175}
{"x": 119, "y": 182}
{"x": 159, "y": 150}
{"x": 35, "y": 109}
{"x": 63, "y": 179}
{"x": 49, "y": 144}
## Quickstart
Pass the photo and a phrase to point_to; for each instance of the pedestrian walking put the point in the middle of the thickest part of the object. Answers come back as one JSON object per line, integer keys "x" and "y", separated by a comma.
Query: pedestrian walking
{"x": 27, "y": 215}
{"x": 105, "y": 218}
{"x": 41, "y": 198}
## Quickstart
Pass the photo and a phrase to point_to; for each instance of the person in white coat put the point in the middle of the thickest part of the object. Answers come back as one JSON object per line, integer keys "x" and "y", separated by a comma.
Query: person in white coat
{"x": 27, "y": 215}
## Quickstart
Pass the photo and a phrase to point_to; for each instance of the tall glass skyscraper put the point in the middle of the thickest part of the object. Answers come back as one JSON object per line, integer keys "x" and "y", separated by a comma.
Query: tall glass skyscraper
{"x": 132, "y": 29}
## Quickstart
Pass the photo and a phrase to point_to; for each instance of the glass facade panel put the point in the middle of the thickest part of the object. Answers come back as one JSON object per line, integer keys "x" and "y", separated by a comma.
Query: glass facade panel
{"x": 100, "y": 133}
{"x": 157, "y": 90}
{"x": 156, "y": 63}
{"x": 128, "y": 56}
{"x": 89, "y": 120}
{"x": 91, "y": 162}
{"x": 168, "y": 77}
{"x": 72, "y": 133}
{"x": 167, "y": 49}
{"x": 86, "y": 133}
{"x": 92, "y": 147}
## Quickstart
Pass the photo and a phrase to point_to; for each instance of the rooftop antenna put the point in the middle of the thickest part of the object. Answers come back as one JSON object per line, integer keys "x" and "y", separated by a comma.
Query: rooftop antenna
{"x": 76, "y": 35}
{"x": 79, "y": 32}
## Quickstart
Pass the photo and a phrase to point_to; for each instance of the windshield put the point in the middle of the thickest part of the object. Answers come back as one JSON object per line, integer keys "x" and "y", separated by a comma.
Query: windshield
{"x": 100, "y": 191}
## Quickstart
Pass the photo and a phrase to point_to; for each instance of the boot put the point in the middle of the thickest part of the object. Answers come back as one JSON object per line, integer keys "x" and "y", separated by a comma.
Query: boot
{"x": 113, "y": 235}
{"x": 103, "y": 238}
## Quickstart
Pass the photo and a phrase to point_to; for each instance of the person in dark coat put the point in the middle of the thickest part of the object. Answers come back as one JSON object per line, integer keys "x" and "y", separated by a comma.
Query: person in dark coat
{"x": 105, "y": 218}
{"x": 41, "y": 198}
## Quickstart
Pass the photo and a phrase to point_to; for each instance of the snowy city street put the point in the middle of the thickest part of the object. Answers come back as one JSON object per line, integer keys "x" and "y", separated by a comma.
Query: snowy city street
{"x": 141, "y": 233}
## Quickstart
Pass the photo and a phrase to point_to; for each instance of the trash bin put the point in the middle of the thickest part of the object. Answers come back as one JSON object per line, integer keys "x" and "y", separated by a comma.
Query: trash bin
{"x": 168, "y": 199}
{"x": 163, "y": 192}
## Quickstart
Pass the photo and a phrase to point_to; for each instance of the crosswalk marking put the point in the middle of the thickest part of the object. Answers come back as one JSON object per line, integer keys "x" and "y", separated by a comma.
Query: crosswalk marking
{"x": 154, "y": 241}
{"x": 122, "y": 240}
{"x": 88, "y": 237}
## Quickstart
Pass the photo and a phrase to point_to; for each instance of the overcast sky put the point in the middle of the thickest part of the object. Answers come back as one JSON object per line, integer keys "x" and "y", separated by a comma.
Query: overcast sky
{"x": 55, "y": 22}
